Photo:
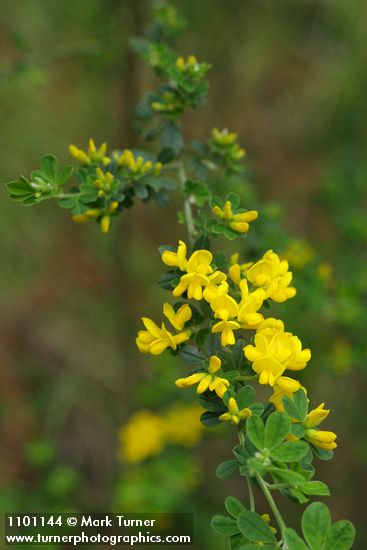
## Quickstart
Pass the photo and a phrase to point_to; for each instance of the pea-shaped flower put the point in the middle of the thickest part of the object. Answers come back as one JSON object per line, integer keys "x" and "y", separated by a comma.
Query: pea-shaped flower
{"x": 206, "y": 380}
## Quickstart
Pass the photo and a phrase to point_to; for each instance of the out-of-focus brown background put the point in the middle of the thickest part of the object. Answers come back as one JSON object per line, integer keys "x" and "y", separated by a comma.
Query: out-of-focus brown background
{"x": 290, "y": 77}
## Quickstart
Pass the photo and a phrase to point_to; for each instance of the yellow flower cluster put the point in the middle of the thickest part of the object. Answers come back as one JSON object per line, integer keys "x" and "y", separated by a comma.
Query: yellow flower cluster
{"x": 104, "y": 215}
{"x": 223, "y": 139}
{"x": 156, "y": 340}
{"x": 320, "y": 438}
{"x": 272, "y": 275}
{"x": 190, "y": 63}
{"x": 94, "y": 155}
{"x": 234, "y": 414}
{"x": 238, "y": 222}
{"x": 206, "y": 380}
{"x": 137, "y": 165}
{"x": 298, "y": 253}
{"x": 236, "y": 299}
{"x": 103, "y": 182}
{"x": 274, "y": 351}
{"x": 148, "y": 433}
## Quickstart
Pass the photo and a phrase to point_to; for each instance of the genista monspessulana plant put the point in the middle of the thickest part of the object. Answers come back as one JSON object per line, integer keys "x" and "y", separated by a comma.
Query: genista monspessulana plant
{"x": 216, "y": 318}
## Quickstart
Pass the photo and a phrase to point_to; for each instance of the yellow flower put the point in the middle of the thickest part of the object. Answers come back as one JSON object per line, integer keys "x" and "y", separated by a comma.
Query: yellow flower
{"x": 271, "y": 274}
{"x": 178, "y": 318}
{"x": 283, "y": 387}
{"x": 224, "y": 137}
{"x": 206, "y": 380}
{"x": 142, "y": 437}
{"x": 234, "y": 273}
{"x": 266, "y": 518}
{"x": 319, "y": 438}
{"x": 274, "y": 351}
{"x": 226, "y": 328}
{"x": 93, "y": 156}
{"x": 103, "y": 182}
{"x": 183, "y": 65}
{"x": 94, "y": 213}
{"x": 316, "y": 416}
{"x": 238, "y": 222}
{"x": 225, "y": 308}
{"x": 182, "y": 425}
{"x": 234, "y": 415}
{"x": 223, "y": 305}
{"x": 176, "y": 259}
{"x": 156, "y": 340}
{"x": 251, "y": 302}
{"x": 199, "y": 275}
{"x": 136, "y": 165}
{"x": 325, "y": 273}
{"x": 322, "y": 439}
{"x": 299, "y": 253}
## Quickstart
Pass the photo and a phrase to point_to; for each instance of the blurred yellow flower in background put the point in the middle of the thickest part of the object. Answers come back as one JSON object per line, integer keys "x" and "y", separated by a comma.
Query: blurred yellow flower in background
{"x": 147, "y": 433}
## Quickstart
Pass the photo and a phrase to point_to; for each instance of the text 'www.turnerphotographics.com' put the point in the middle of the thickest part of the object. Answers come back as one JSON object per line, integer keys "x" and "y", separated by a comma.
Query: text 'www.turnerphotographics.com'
{"x": 108, "y": 529}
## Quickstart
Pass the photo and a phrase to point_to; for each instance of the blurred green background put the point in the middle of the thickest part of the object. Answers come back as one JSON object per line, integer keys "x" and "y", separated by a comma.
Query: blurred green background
{"x": 290, "y": 77}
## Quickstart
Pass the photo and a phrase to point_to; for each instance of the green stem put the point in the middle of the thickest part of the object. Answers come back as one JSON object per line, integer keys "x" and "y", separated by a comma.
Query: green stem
{"x": 187, "y": 206}
{"x": 273, "y": 506}
{"x": 66, "y": 195}
{"x": 241, "y": 437}
{"x": 251, "y": 494}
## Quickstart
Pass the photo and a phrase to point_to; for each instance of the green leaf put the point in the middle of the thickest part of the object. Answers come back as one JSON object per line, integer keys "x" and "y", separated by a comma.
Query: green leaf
{"x": 290, "y": 451}
{"x": 340, "y": 536}
{"x": 210, "y": 419}
{"x": 216, "y": 201}
{"x": 50, "y": 167}
{"x": 201, "y": 242}
{"x": 293, "y": 540}
{"x": 296, "y": 407}
{"x": 245, "y": 397}
{"x": 322, "y": 454}
{"x": 224, "y": 525}
{"x": 256, "y": 431}
{"x": 166, "y": 155}
{"x": 316, "y": 523}
{"x": 315, "y": 488}
{"x": 298, "y": 495}
{"x": 227, "y": 469}
{"x": 230, "y": 234}
{"x": 20, "y": 187}
{"x": 191, "y": 355}
{"x": 172, "y": 136}
{"x": 236, "y": 542}
{"x": 276, "y": 429}
{"x": 252, "y": 546}
{"x": 234, "y": 199}
{"x": 167, "y": 279}
{"x": 141, "y": 190}
{"x": 283, "y": 475}
{"x": 234, "y": 506}
{"x": 241, "y": 454}
{"x": 65, "y": 174}
{"x": 297, "y": 430}
{"x": 253, "y": 527}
